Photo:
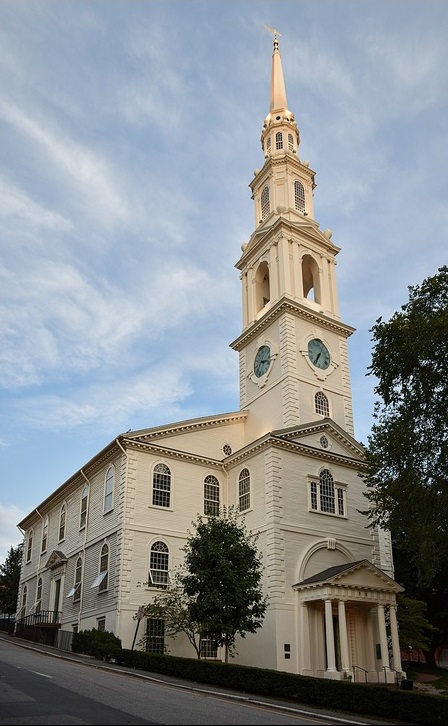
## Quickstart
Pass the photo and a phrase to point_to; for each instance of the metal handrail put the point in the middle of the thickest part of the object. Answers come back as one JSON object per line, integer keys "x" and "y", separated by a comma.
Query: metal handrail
{"x": 361, "y": 669}
{"x": 42, "y": 617}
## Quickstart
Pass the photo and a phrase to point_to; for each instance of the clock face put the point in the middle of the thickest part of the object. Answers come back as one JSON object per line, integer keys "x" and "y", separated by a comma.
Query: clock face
{"x": 262, "y": 361}
{"x": 318, "y": 354}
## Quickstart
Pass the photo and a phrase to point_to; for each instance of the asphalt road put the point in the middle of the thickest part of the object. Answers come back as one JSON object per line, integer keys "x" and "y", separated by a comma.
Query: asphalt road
{"x": 44, "y": 686}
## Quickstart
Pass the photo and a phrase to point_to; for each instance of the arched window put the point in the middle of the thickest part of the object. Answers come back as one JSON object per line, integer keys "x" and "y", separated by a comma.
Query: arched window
{"x": 62, "y": 516}
{"x": 268, "y": 143}
{"x": 326, "y": 496}
{"x": 29, "y": 545}
{"x": 109, "y": 484}
{"x": 158, "y": 564}
{"x": 262, "y": 286}
{"x": 83, "y": 512}
{"x": 321, "y": 403}
{"x": 290, "y": 142}
{"x": 279, "y": 140}
{"x": 44, "y": 535}
{"x": 244, "y": 490}
{"x": 23, "y": 602}
{"x": 78, "y": 580}
{"x": 265, "y": 203}
{"x": 38, "y": 603}
{"x": 211, "y": 496}
{"x": 104, "y": 568}
{"x": 161, "y": 486}
{"x": 299, "y": 196}
{"x": 310, "y": 279}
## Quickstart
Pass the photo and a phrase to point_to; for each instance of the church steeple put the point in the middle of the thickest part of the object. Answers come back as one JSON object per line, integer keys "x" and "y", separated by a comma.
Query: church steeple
{"x": 293, "y": 350}
{"x": 278, "y": 90}
{"x": 279, "y": 117}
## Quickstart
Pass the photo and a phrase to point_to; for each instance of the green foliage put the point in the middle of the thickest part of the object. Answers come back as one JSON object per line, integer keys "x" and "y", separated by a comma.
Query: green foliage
{"x": 101, "y": 644}
{"x": 222, "y": 578}
{"x": 407, "y": 455}
{"x": 407, "y": 452}
{"x": 9, "y": 580}
{"x": 414, "y": 630}
{"x": 173, "y": 605}
{"x": 408, "y": 707}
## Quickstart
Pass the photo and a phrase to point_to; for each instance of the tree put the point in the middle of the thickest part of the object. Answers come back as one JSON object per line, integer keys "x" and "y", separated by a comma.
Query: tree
{"x": 10, "y": 579}
{"x": 407, "y": 452}
{"x": 173, "y": 607}
{"x": 223, "y": 571}
{"x": 414, "y": 630}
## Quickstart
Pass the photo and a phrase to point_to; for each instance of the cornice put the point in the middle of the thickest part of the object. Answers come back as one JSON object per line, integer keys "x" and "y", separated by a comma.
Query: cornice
{"x": 298, "y": 309}
{"x": 277, "y": 225}
{"x": 269, "y": 441}
{"x": 181, "y": 427}
{"x": 160, "y": 450}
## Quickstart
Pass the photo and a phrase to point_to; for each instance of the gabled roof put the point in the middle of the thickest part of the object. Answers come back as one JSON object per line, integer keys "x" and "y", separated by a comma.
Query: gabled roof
{"x": 362, "y": 575}
{"x": 326, "y": 426}
{"x": 56, "y": 558}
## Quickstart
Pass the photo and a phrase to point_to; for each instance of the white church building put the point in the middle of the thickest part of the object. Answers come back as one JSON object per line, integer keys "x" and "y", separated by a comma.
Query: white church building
{"x": 287, "y": 459}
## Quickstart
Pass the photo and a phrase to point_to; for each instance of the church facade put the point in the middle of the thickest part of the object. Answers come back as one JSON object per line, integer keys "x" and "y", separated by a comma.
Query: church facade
{"x": 107, "y": 539}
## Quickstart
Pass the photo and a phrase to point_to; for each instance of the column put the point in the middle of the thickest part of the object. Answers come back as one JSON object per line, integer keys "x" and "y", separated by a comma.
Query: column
{"x": 329, "y": 637}
{"x": 383, "y": 639}
{"x": 305, "y": 664}
{"x": 345, "y": 664}
{"x": 396, "y": 655}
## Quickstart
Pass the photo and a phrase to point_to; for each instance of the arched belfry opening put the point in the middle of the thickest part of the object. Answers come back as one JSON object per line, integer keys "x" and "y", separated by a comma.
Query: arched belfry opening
{"x": 262, "y": 286}
{"x": 311, "y": 279}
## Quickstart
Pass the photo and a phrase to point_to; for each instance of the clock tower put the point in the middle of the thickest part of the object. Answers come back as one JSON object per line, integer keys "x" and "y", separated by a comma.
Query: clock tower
{"x": 293, "y": 346}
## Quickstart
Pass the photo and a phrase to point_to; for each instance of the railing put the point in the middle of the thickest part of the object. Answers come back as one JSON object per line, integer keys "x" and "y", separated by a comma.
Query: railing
{"x": 398, "y": 676}
{"x": 41, "y": 618}
{"x": 361, "y": 669}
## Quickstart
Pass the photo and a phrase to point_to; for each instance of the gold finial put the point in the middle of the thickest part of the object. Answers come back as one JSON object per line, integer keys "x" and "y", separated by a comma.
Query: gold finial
{"x": 273, "y": 30}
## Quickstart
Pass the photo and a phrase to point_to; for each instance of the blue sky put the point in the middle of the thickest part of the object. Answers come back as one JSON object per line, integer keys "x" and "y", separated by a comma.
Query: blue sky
{"x": 129, "y": 134}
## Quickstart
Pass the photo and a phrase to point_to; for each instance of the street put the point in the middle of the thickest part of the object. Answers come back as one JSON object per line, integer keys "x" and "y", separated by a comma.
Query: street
{"x": 36, "y": 688}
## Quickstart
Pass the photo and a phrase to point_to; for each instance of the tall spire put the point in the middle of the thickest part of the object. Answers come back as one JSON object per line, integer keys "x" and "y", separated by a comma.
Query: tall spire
{"x": 278, "y": 90}
{"x": 279, "y": 118}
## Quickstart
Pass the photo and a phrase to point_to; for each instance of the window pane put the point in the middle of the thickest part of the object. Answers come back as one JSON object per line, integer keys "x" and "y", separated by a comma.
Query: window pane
{"x": 161, "y": 486}
{"x": 158, "y": 564}
{"x": 244, "y": 490}
{"x": 326, "y": 492}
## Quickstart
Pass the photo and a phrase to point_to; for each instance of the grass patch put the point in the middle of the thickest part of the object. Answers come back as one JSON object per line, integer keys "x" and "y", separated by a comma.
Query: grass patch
{"x": 417, "y": 672}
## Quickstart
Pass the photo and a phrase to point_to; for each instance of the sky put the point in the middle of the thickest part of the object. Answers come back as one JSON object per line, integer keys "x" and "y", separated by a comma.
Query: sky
{"x": 129, "y": 133}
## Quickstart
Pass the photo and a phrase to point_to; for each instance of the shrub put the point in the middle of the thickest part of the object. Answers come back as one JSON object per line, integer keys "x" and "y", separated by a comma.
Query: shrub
{"x": 101, "y": 644}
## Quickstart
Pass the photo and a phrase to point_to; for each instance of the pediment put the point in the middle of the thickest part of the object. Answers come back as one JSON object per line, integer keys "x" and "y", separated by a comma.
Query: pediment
{"x": 56, "y": 559}
{"x": 324, "y": 436}
{"x": 362, "y": 575}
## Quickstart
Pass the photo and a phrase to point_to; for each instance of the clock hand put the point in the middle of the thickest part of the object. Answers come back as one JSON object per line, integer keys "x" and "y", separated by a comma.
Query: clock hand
{"x": 318, "y": 356}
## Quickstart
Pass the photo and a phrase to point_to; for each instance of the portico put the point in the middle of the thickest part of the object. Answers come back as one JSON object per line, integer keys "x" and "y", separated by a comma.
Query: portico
{"x": 347, "y": 624}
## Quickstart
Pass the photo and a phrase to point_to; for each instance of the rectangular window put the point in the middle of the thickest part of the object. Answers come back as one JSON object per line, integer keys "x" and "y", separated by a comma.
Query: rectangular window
{"x": 101, "y": 624}
{"x": 77, "y": 592}
{"x": 29, "y": 547}
{"x": 98, "y": 580}
{"x": 326, "y": 498}
{"x": 161, "y": 489}
{"x": 155, "y": 635}
{"x": 208, "y": 648}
